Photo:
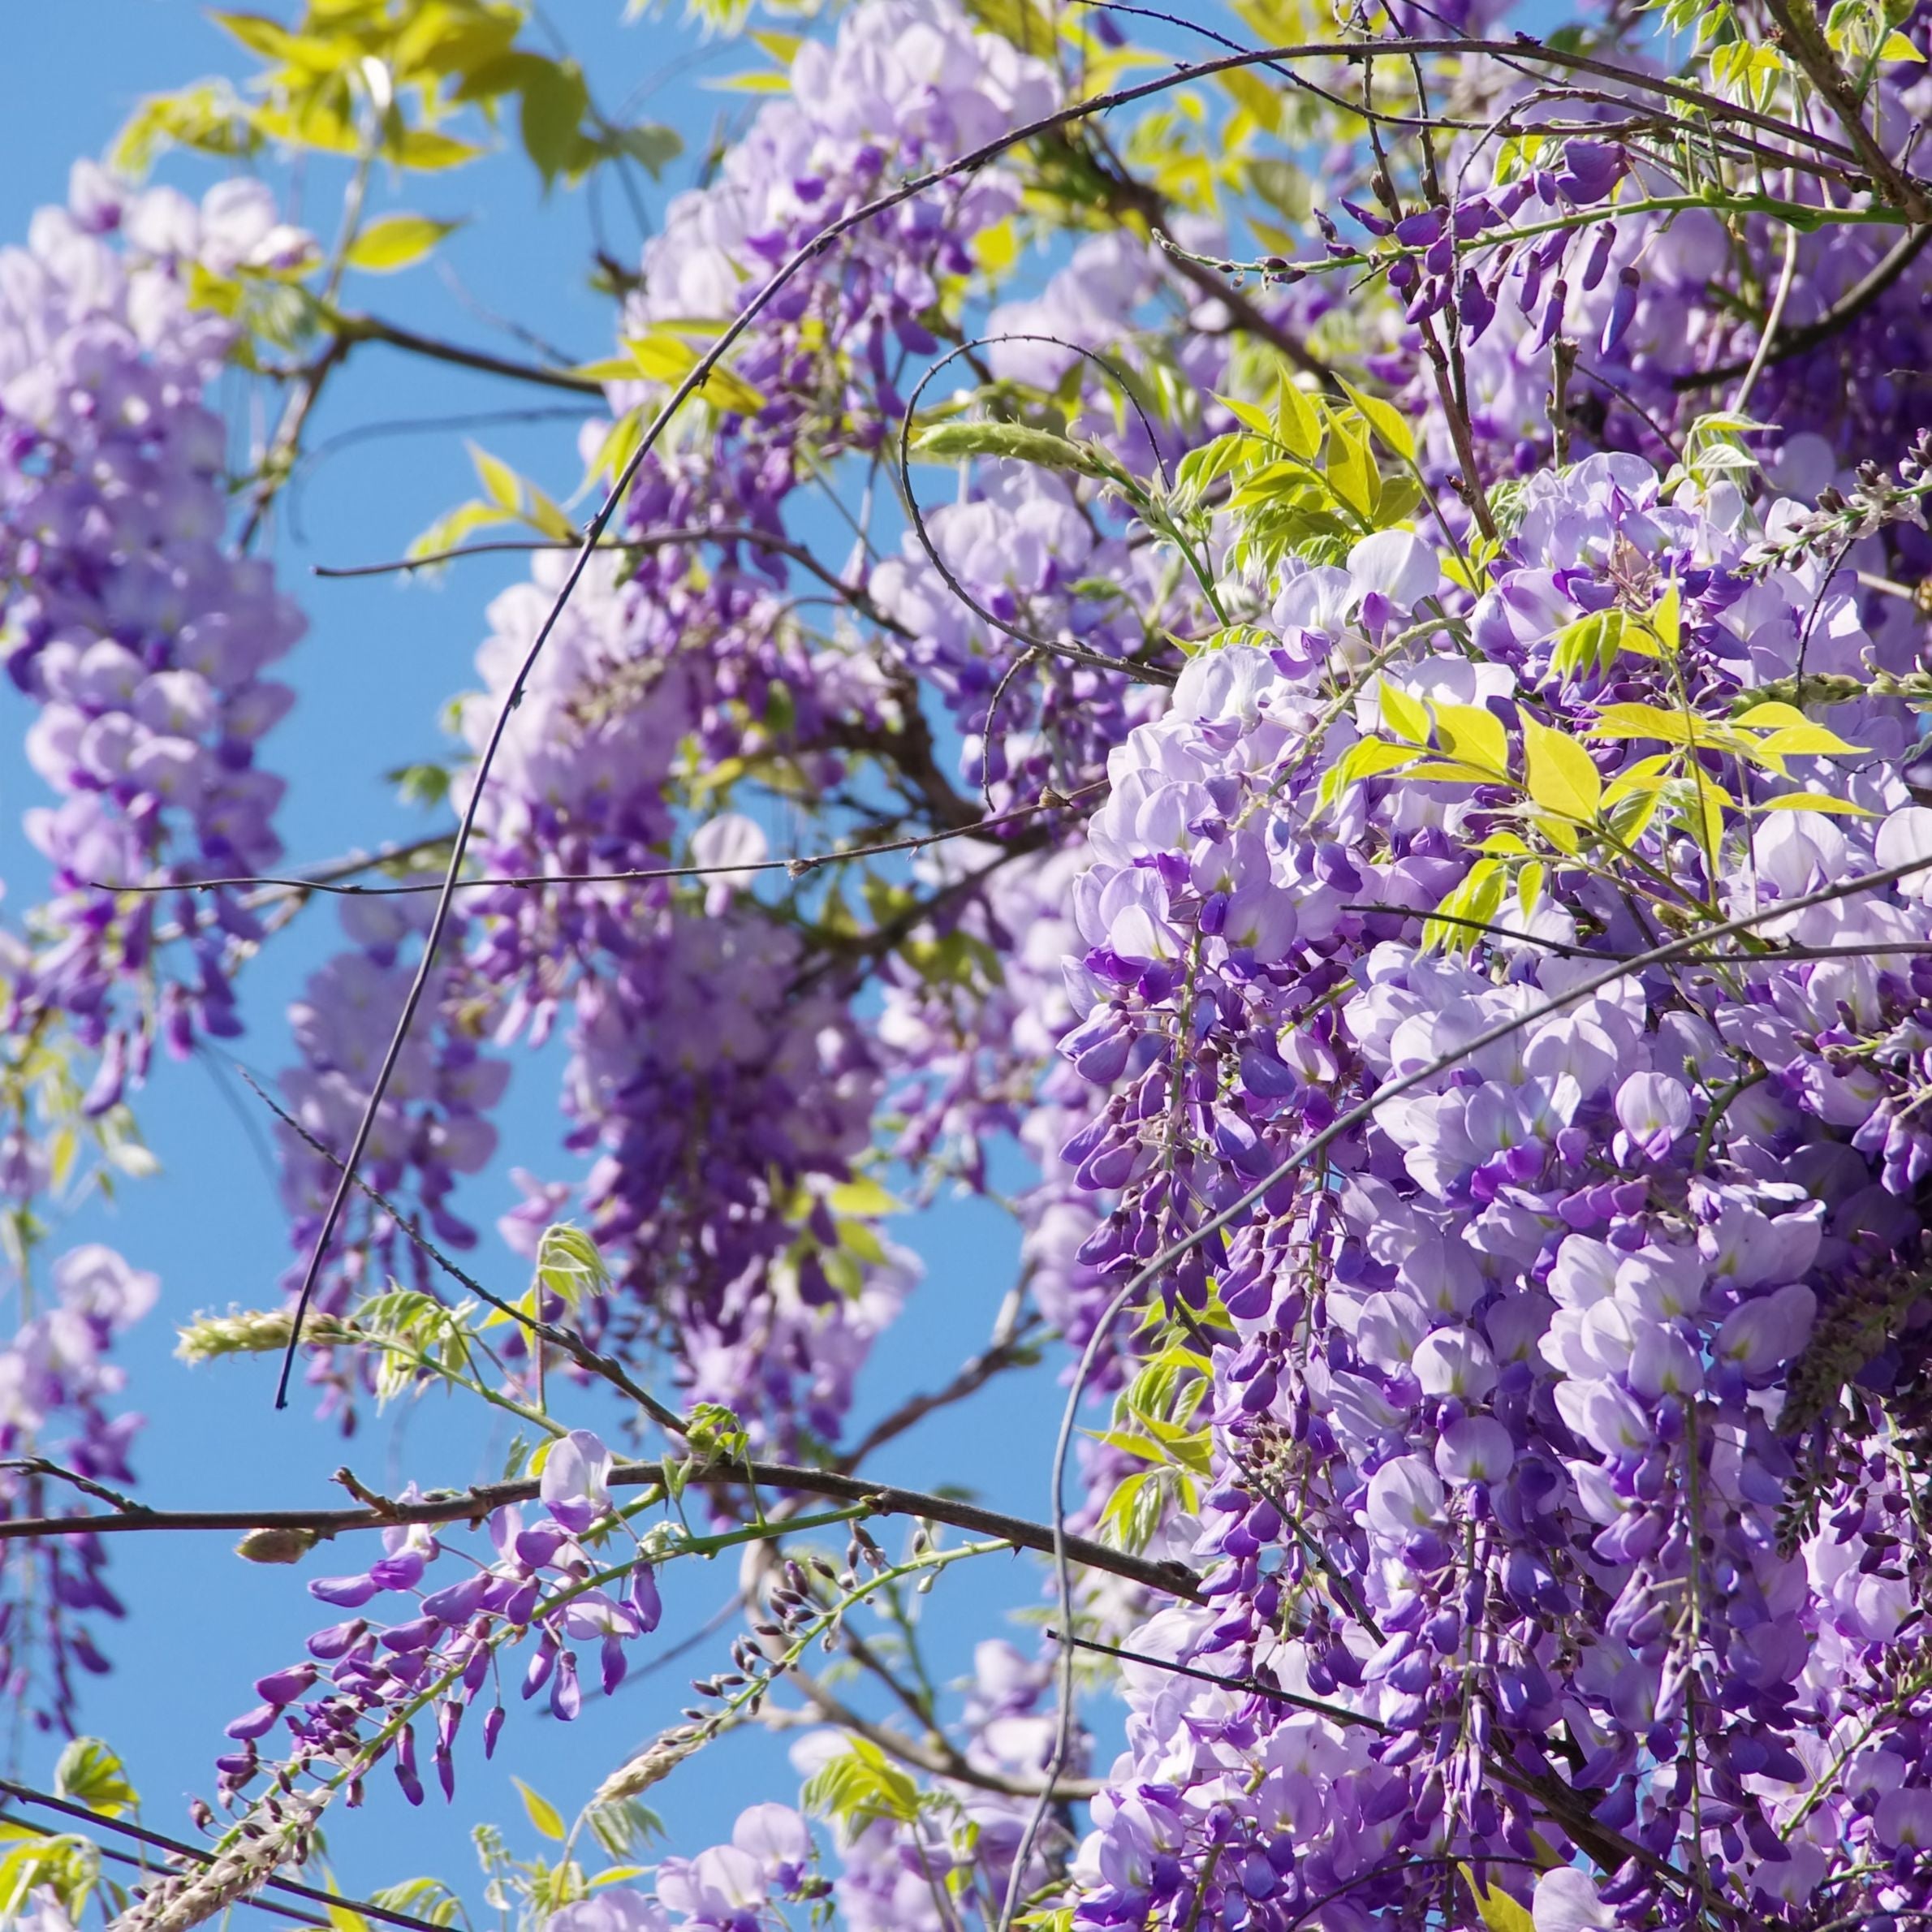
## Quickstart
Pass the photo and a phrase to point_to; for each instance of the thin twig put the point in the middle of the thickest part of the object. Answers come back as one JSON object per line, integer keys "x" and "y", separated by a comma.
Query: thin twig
{"x": 323, "y": 881}
{"x": 641, "y": 540}
{"x": 351, "y": 328}
{"x": 27, "y": 1795}
{"x": 579, "y": 1351}
{"x": 474, "y": 1505}
{"x": 114, "y": 1856}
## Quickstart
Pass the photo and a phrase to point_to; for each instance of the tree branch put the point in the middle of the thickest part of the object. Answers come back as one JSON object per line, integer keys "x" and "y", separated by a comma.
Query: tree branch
{"x": 27, "y": 1795}
{"x": 1855, "y": 301}
{"x": 351, "y": 328}
{"x": 1799, "y": 30}
{"x": 641, "y": 539}
{"x": 472, "y": 1505}
{"x": 329, "y": 879}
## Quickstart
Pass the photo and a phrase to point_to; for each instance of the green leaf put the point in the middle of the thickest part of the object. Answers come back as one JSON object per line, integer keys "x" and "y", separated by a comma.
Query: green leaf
{"x": 1806, "y": 740}
{"x": 1297, "y": 421}
{"x": 259, "y": 34}
{"x": 653, "y": 147}
{"x": 1474, "y": 903}
{"x": 1592, "y": 643}
{"x": 422, "y": 1898}
{"x": 428, "y": 152}
{"x": 1404, "y": 715}
{"x": 449, "y": 530}
{"x": 1648, "y": 721}
{"x": 1814, "y": 801}
{"x": 555, "y": 102}
{"x": 500, "y": 482}
{"x": 1897, "y": 47}
{"x": 864, "y": 1196}
{"x": 88, "y": 1772}
{"x": 548, "y": 515}
{"x": 860, "y": 1786}
{"x": 1386, "y": 420}
{"x": 1351, "y": 473}
{"x": 622, "y": 1827}
{"x": 542, "y": 1814}
{"x": 1667, "y": 620}
{"x": 1561, "y": 775}
{"x": 569, "y": 1263}
{"x": 397, "y": 241}
{"x": 1498, "y": 1910}
{"x": 668, "y": 358}
{"x": 1474, "y": 735}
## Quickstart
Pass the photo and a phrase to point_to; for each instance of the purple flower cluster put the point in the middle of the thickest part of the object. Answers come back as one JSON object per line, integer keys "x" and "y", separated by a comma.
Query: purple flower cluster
{"x": 721, "y": 1086}
{"x": 726, "y": 1104}
{"x": 56, "y": 1388}
{"x": 367, "y": 1681}
{"x": 728, "y": 1888}
{"x": 1580, "y": 1370}
{"x": 140, "y": 637}
{"x": 432, "y": 1127}
{"x": 952, "y": 1863}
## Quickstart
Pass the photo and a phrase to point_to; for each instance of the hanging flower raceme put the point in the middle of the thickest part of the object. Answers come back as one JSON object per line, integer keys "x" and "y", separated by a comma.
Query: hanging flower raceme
{"x": 58, "y": 1413}
{"x": 142, "y": 637}
{"x": 1553, "y": 1386}
{"x": 369, "y": 1681}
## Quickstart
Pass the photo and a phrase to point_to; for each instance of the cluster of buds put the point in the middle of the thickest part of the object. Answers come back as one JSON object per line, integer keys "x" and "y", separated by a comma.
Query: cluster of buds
{"x": 1843, "y": 517}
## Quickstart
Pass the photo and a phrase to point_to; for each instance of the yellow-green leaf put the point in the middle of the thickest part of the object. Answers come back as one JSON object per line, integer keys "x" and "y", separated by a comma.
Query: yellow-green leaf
{"x": 865, "y": 1196}
{"x": 396, "y": 241}
{"x": 542, "y": 1813}
{"x": 257, "y": 33}
{"x": 548, "y": 515}
{"x": 1667, "y": 620}
{"x": 1386, "y": 420}
{"x": 1449, "y": 771}
{"x": 1769, "y": 717}
{"x": 954, "y": 442}
{"x": 90, "y": 1774}
{"x": 1496, "y": 1908}
{"x": 669, "y": 359}
{"x": 1648, "y": 721}
{"x": 1814, "y": 801}
{"x": 426, "y": 150}
{"x": 1255, "y": 417}
{"x": 1297, "y": 421}
{"x": 1897, "y": 47}
{"x": 500, "y": 482}
{"x": 1804, "y": 740}
{"x": 1372, "y": 756}
{"x": 1561, "y": 775}
{"x": 1350, "y": 473}
{"x": 1403, "y": 715}
{"x": 1474, "y": 735}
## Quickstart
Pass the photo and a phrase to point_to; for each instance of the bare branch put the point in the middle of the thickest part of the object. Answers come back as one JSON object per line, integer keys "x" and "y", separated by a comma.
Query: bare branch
{"x": 98, "y": 1821}
{"x": 641, "y": 539}
{"x": 332, "y": 880}
{"x": 472, "y": 1505}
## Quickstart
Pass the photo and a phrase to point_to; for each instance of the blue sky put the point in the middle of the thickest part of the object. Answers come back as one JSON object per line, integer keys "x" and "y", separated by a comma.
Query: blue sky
{"x": 380, "y": 660}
